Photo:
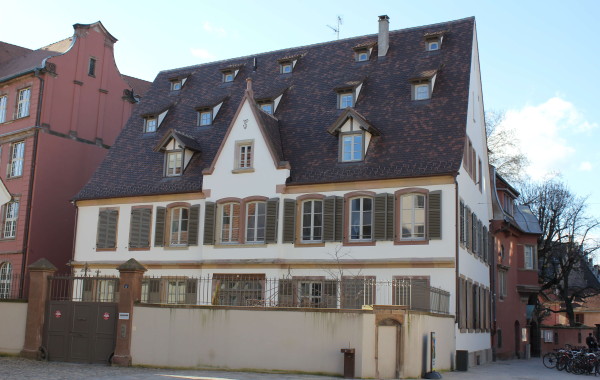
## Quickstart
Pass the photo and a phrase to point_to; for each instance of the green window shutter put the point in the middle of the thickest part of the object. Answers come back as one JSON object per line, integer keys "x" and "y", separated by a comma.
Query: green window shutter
{"x": 111, "y": 229}
{"x": 420, "y": 294}
{"x": 468, "y": 227}
{"x": 209, "y": 223}
{"x": 289, "y": 220}
{"x": 271, "y": 227}
{"x": 193, "y": 225}
{"x": 462, "y": 222}
{"x": 159, "y": 229}
{"x": 145, "y": 223}
{"x": 134, "y": 228}
{"x": 332, "y": 218}
{"x": 435, "y": 215}
{"x": 102, "y": 225}
{"x": 384, "y": 217}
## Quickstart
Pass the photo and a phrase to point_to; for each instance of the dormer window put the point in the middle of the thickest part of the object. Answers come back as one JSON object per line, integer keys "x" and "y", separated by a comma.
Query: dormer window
{"x": 286, "y": 67}
{"x": 178, "y": 82}
{"x": 176, "y": 85}
{"x": 362, "y": 52}
{"x": 345, "y": 99}
{"x": 433, "y": 40}
{"x": 433, "y": 45}
{"x": 422, "y": 84}
{"x": 352, "y": 147}
{"x": 178, "y": 149}
{"x": 355, "y": 134}
{"x": 150, "y": 124}
{"x": 174, "y": 165}
{"x": 228, "y": 76}
{"x": 205, "y": 117}
{"x": 362, "y": 55}
{"x": 267, "y": 107}
{"x": 421, "y": 91}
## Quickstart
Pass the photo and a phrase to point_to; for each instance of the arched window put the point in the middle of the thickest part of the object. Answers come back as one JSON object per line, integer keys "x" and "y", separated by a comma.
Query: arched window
{"x": 5, "y": 279}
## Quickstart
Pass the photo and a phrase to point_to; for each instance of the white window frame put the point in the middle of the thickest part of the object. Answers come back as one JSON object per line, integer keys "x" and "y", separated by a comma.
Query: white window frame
{"x": 354, "y": 148}
{"x": 346, "y": 99}
{"x": 418, "y": 91}
{"x": 362, "y": 56}
{"x": 227, "y": 230}
{"x": 228, "y": 76}
{"x": 179, "y": 226}
{"x": 11, "y": 216}
{"x": 174, "y": 163}
{"x": 256, "y": 222}
{"x": 176, "y": 85}
{"x": 244, "y": 155}
{"x": 267, "y": 107}
{"x": 361, "y": 217}
{"x": 3, "y": 104}
{"x": 286, "y": 68}
{"x": 528, "y": 257}
{"x": 17, "y": 154}
{"x": 409, "y": 205}
{"x": 433, "y": 45}
{"x": 150, "y": 124}
{"x": 23, "y": 102}
{"x": 5, "y": 279}
{"x": 204, "y": 118}
{"x": 310, "y": 222}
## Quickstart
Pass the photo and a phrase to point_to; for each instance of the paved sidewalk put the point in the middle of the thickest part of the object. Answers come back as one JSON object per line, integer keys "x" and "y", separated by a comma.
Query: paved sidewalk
{"x": 23, "y": 369}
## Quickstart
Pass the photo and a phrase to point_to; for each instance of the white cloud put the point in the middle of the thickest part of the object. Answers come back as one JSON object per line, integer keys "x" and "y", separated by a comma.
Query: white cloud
{"x": 218, "y": 31}
{"x": 585, "y": 166}
{"x": 544, "y": 131}
{"x": 203, "y": 54}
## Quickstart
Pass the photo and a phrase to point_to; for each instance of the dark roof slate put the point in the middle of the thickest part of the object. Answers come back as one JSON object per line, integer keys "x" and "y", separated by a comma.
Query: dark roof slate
{"x": 423, "y": 138}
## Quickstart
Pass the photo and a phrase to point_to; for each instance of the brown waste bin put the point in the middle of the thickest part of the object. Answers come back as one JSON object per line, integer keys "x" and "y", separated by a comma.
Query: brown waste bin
{"x": 348, "y": 362}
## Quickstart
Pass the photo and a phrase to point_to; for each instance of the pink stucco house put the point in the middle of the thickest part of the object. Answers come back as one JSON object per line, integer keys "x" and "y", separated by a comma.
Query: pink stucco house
{"x": 61, "y": 108}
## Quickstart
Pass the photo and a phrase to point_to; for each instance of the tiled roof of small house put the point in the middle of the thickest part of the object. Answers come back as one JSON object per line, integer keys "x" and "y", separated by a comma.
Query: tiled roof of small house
{"x": 20, "y": 61}
{"x": 417, "y": 138}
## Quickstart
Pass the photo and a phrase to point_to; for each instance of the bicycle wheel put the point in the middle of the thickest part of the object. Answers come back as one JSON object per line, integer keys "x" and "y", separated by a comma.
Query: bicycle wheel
{"x": 550, "y": 360}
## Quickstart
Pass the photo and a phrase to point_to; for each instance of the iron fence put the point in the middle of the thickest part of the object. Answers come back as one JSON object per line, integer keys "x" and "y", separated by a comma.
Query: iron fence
{"x": 83, "y": 289}
{"x": 10, "y": 286}
{"x": 313, "y": 292}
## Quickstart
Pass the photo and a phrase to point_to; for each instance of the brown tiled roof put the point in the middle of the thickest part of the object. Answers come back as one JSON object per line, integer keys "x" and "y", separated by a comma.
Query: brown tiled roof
{"x": 365, "y": 45}
{"x": 10, "y": 51}
{"x": 139, "y": 86}
{"x": 24, "y": 60}
{"x": 424, "y": 138}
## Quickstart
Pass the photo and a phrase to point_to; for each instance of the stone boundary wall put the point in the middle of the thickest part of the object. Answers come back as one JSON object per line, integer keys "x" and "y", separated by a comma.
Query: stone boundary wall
{"x": 12, "y": 328}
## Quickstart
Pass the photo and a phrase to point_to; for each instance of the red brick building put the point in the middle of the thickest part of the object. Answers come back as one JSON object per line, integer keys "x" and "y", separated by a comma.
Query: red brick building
{"x": 515, "y": 276}
{"x": 61, "y": 108}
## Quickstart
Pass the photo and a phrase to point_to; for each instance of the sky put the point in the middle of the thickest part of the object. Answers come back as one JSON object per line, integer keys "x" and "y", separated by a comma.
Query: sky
{"x": 539, "y": 59}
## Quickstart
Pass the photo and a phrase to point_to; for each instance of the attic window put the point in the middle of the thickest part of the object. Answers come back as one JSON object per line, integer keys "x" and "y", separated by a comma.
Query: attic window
{"x": 422, "y": 85}
{"x": 345, "y": 99}
{"x": 421, "y": 91}
{"x": 433, "y": 44}
{"x": 286, "y": 67}
{"x": 150, "y": 124}
{"x": 176, "y": 85}
{"x": 205, "y": 117}
{"x": 174, "y": 164}
{"x": 267, "y": 106}
{"x": 362, "y": 55}
{"x": 354, "y": 133}
{"x": 228, "y": 76}
{"x": 433, "y": 41}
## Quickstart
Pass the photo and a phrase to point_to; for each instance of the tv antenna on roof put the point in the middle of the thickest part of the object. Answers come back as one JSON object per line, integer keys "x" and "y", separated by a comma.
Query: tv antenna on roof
{"x": 337, "y": 30}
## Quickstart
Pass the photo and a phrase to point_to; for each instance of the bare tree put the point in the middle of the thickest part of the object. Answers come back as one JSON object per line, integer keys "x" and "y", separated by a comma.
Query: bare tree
{"x": 566, "y": 243}
{"x": 503, "y": 148}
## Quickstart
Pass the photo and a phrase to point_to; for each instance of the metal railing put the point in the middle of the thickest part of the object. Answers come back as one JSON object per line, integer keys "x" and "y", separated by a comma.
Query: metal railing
{"x": 83, "y": 289}
{"x": 10, "y": 287}
{"x": 253, "y": 291}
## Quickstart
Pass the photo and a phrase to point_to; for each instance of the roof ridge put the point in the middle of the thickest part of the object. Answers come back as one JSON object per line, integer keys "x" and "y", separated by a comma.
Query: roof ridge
{"x": 395, "y": 31}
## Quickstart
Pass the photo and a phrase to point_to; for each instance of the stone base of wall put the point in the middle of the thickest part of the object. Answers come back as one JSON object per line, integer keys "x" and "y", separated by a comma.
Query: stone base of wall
{"x": 480, "y": 357}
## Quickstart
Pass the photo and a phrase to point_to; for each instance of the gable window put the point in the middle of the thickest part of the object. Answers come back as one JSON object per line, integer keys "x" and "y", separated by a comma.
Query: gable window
{"x": 150, "y": 124}
{"x": 5, "y": 279}
{"x": 421, "y": 91}
{"x": 228, "y": 76}
{"x": 345, "y": 99}
{"x": 529, "y": 257}
{"x": 16, "y": 159}
{"x": 244, "y": 155}
{"x": 286, "y": 67}
{"x": 255, "y": 222}
{"x": 312, "y": 221}
{"x": 92, "y": 67}
{"x": 267, "y": 107}
{"x": 106, "y": 237}
{"x": 3, "y": 100}
{"x": 174, "y": 165}
{"x": 176, "y": 85}
{"x": 230, "y": 223}
{"x": 412, "y": 216}
{"x": 179, "y": 217}
{"x": 205, "y": 117}
{"x": 11, "y": 214}
{"x": 361, "y": 219}
{"x": 352, "y": 147}
{"x": 23, "y": 102}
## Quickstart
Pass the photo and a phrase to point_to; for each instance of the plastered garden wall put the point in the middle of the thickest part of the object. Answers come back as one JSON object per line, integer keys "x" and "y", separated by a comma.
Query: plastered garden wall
{"x": 12, "y": 328}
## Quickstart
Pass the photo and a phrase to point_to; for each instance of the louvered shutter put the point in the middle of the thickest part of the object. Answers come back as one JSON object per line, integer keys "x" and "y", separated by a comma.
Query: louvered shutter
{"x": 468, "y": 227}
{"x": 111, "y": 229}
{"x": 193, "y": 225}
{"x": 435, "y": 215}
{"x": 102, "y": 229}
{"x": 145, "y": 222}
{"x": 420, "y": 297}
{"x": 285, "y": 293}
{"x": 159, "y": 227}
{"x": 332, "y": 218}
{"x": 271, "y": 227}
{"x": 134, "y": 228}
{"x": 209, "y": 223}
{"x": 462, "y": 222}
{"x": 289, "y": 220}
{"x": 384, "y": 217}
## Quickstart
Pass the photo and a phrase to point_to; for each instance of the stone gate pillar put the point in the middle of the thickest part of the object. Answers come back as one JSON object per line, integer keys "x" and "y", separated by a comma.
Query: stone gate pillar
{"x": 36, "y": 306}
{"x": 130, "y": 291}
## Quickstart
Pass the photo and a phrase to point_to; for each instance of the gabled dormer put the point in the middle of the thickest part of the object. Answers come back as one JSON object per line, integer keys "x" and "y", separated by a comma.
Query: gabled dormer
{"x": 287, "y": 64}
{"x": 362, "y": 52}
{"x": 433, "y": 40}
{"x": 153, "y": 120}
{"x": 354, "y": 133}
{"x": 347, "y": 93}
{"x": 230, "y": 72}
{"x": 422, "y": 84}
{"x": 178, "y": 149}
{"x": 269, "y": 104}
{"x": 178, "y": 82}
{"x": 208, "y": 113}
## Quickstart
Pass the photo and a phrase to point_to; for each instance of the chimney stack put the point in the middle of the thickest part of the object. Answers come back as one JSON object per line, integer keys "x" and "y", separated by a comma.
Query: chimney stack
{"x": 383, "y": 40}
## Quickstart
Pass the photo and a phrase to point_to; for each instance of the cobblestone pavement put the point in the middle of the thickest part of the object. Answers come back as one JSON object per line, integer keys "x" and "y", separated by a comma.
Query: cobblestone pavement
{"x": 22, "y": 369}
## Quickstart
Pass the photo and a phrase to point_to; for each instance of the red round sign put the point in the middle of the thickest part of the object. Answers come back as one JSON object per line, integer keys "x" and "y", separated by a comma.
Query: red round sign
{"x": 57, "y": 314}
{"x": 106, "y": 316}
